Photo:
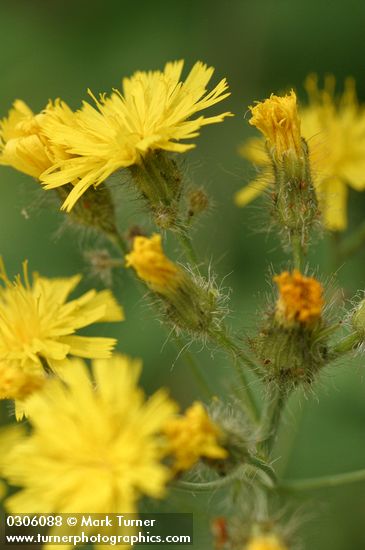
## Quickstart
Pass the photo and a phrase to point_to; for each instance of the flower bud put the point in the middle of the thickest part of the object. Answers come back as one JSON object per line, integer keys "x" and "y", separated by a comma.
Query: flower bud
{"x": 92, "y": 210}
{"x": 292, "y": 344}
{"x": 294, "y": 203}
{"x": 198, "y": 202}
{"x": 358, "y": 319}
{"x": 189, "y": 303}
{"x": 159, "y": 181}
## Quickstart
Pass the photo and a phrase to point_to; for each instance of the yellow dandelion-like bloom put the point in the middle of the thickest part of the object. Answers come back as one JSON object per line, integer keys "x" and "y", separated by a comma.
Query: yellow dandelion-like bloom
{"x": 152, "y": 266}
{"x": 300, "y": 298}
{"x": 277, "y": 118}
{"x": 153, "y": 111}
{"x": 22, "y": 142}
{"x": 96, "y": 444}
{"x": 9, "y": 436}
{"x": 335, "y": 133}
{"x": 18, "y": 383}
{"x": 38, "y": 324}
{"x": 266, "y": 542}
{"x": 193, "y": 436}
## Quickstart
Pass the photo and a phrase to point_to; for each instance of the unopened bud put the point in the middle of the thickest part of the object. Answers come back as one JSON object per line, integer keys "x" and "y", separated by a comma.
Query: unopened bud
{"x": 198, "y": 202}
{"x": 158, "y": 179}
{"x": 94, "y": 209}
{"x": 190, "y": 303}
{"x": 294, "y": 203}
{"x": 358, "y": 319}
{"x": 292, "y": 344}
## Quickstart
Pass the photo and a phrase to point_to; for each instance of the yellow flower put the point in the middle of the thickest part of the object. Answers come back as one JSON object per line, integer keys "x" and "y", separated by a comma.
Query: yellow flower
{"x": 22, "y": 142}
{"x": 18, "y": 383}
{"x": 152, "y": 266}
{"x": 9, "y": 436}
{"x": 96, "y": 444}
{"x": 38, "y": 324}
{"x": 277, "y": 118}
{"x": 266, "y": 542}
{"x": 300, "y": 298}
{"x": 193, "y": 436}
{"x": 335, "y": 133}
{"x": 152, "y": 112}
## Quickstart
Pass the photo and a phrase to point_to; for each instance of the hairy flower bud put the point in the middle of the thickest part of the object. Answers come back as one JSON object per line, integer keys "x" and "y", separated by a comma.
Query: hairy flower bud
{"x": 358, "y": 319}
{"x": 294, "y": 203}
{"x": 158, "y": 179}
{"x": 292, "y": 343}
{"x": 190, "y": 303}
{"x": 198, "y": 202}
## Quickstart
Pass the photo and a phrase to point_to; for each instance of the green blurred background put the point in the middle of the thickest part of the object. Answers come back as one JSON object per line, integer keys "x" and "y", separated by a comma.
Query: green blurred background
{"x": 60, "y": 48}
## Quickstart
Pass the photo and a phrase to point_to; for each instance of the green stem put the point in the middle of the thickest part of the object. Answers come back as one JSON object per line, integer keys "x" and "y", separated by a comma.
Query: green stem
{"x": 264, "y": 467}
{"x": 221, "y": 338}
{"x": 236, "y": 475}
{"x": 188, "y": 247}
{"x": 203, "y": 487}
{"x": 195, "y": 369}
{"x": 117, "y": 239}
{"x": 346, "y": 344}
{"x": 272, "y": 418}
{"x": 335, "y": 480}
{"x": 297, "y": 249}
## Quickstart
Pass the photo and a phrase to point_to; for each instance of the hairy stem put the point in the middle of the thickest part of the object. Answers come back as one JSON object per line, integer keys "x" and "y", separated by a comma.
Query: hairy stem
{"x": 240, "y": 361}
{"x": 117, "y": 239}
{"x": 188, "y": 247}
{"x": 195, "y": 369}
{"x": 272, "y": 418}
{"x": 314, "y": 483}
{"x": 297, "y": 250}
{"x": 346, "y": 344}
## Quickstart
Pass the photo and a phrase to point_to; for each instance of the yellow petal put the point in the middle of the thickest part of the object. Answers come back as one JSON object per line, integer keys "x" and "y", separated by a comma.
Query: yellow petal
{"x": 254, "y": 150}
{"x": 252, "y": 190}
{"x": 89, "y": 346}
{"x": 332, "y": 194}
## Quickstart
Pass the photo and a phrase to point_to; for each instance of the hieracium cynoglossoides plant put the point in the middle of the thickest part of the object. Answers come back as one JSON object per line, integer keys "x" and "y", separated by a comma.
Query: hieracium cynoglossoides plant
{"x": 90, "y": 441}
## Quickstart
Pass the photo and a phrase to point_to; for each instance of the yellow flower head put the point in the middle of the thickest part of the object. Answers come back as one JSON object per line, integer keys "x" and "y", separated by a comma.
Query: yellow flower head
{"x": 300, "y": 298}
{"x": 335, "y": 133}
{"x": 152, "y": 266}
{"x": 277, "y": 118}
{"x": 266, "y": 542}
{"x": 17, "y": 383}
{"x": 38, "y": 324}
{"x": 193, "y": 436}
{"x": 23, "y": 144}
{"x": 95, "y": 445}
{"x": 153, "y": 111}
